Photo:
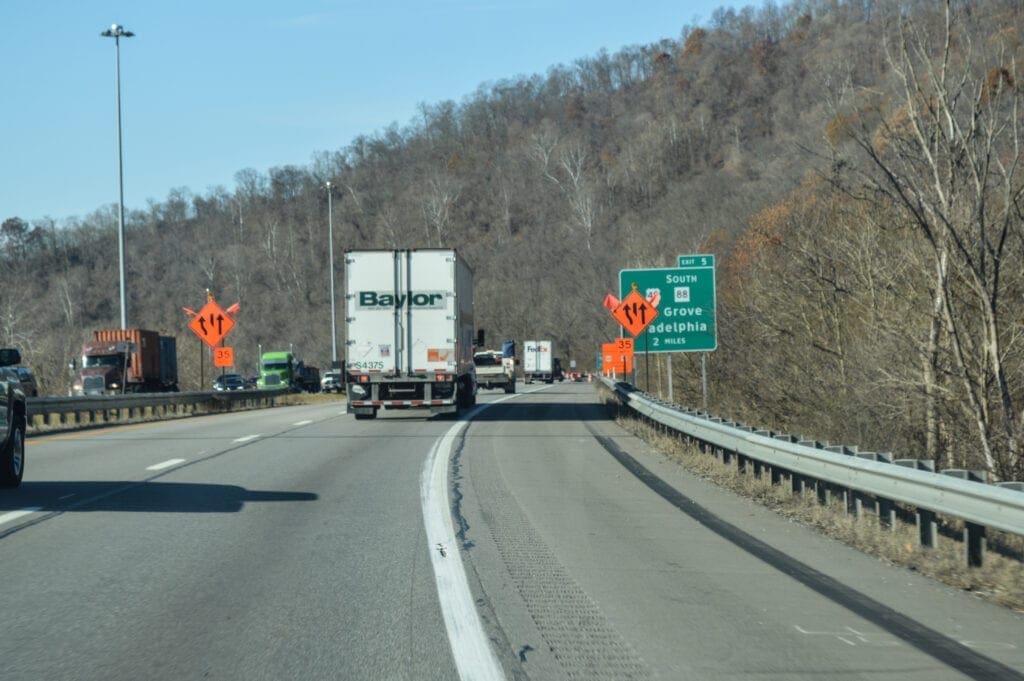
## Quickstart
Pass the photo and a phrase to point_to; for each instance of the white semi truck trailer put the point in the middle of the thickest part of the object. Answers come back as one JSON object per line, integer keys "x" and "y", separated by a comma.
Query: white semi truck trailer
{"x": 409, "y": 323}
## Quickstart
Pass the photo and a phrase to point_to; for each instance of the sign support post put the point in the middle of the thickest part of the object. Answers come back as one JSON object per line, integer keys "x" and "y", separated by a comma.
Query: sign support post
{"x": 704, "y": 378}
{"x": 647, "y": 360}
{"x": 668, "y": 368}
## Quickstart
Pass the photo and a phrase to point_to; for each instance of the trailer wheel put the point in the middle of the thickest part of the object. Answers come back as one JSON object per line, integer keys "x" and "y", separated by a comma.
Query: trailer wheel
{"x": 367, "y": 417}
{"x": 12, "y": 458}
{"x": 510, "y": 388}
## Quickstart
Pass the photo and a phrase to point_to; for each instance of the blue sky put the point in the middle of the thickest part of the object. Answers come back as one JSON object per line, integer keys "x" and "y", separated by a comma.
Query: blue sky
{"x": 211, "y": 87}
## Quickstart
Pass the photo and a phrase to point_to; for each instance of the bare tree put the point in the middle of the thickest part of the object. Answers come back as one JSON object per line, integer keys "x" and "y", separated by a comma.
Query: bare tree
{"x": 949, "y": 154}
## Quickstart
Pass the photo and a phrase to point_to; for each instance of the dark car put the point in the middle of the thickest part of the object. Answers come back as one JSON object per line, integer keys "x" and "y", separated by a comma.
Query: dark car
{"x": 12, "y": 420}
{"x": 229, "y": 382}
{"x": 28, "y": 381}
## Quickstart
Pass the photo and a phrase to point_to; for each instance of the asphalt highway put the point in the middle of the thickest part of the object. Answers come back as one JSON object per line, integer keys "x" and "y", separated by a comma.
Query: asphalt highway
{"x": 299, "y": 543}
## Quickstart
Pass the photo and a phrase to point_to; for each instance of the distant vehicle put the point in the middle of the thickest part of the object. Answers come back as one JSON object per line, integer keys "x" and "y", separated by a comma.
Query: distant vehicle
{"x": 277, "y": 370}
{"x": 230, "y": 382}
{"x": 12, "y": 420}
{"x": 308, "y": 378}
{"x": 28, "y": 381}
{"x": 127, "y": 361}
{"x": 280, "y": 369}
{"x": 539, "y": 361}
{"x": 496, "y": 370}
{"x": 333, "y": 381}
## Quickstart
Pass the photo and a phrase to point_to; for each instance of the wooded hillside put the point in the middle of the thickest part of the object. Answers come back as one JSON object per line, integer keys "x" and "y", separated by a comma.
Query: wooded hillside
{"x": 854, "y": 165}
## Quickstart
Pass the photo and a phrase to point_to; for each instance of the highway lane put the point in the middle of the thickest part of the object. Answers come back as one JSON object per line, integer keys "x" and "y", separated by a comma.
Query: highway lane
{"x": 585, "y": 571}
{"x": 296, "y": 554}
{"x": 290, "y": 543}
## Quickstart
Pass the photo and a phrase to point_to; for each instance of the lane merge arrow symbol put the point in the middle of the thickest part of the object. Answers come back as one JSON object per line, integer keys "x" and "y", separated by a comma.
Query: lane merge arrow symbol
{"x": 211, "y": 324}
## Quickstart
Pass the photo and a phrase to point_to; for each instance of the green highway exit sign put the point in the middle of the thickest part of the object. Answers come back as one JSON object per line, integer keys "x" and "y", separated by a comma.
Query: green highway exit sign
{"x": 687, "y": 320}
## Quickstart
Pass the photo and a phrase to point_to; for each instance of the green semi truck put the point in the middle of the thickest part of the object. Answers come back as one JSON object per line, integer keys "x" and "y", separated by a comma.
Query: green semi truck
{"x": 280, "y": 369}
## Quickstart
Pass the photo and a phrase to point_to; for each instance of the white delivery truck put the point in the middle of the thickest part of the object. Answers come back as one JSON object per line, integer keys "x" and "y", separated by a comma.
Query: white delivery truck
{"x": 409, "y": 330}
{"x": 538, "y": 361}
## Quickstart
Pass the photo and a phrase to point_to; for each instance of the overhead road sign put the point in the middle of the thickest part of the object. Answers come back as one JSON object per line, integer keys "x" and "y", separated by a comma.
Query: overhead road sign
{"x": 687, "y": 320}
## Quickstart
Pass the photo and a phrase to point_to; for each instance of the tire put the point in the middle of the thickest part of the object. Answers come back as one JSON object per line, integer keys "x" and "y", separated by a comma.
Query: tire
{"x": 12, "y": 458}
{"x": 367, "y": 417}
{"x": 510, "y": 388}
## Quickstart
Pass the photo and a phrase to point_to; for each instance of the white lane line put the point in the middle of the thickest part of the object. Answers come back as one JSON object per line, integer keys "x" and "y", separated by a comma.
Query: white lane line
{"x": 471, "y": 648}
{"x": 14, "y": 515}
{"x": 248, "y": 437}
{"x": 303, "y": 423}
{"x": 164, "y": 464}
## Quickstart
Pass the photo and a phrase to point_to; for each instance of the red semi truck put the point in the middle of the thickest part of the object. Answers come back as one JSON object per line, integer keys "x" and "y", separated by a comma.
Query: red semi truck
{"x": 127, "y": 360}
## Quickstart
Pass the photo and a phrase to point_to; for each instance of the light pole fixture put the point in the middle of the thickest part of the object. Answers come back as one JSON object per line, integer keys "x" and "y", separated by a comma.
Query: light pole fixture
{"x": 330, "y": 249}
{"x": 116, "y": 31}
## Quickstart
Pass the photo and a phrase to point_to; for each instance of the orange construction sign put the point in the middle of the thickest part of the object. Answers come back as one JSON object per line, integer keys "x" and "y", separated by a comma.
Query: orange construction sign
{"x": 617, "y": 356}
{"x": 224, "y": 357}
{"x": 211, "y": 324}
{"x": 635, "y": 313}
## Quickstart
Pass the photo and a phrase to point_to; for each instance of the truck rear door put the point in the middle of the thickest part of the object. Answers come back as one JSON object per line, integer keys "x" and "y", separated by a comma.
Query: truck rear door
{"x": 401, "y": 311}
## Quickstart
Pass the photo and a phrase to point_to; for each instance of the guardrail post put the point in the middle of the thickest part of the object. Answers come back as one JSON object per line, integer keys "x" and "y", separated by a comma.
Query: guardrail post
{"x": 927, "y": 528}
{"x": 974, "y": 544}
{"x": 824, "y": 492}
{"x": 887, "y": 513}
{"x": 974, "y": 535}
{"x": 846, "y": 494}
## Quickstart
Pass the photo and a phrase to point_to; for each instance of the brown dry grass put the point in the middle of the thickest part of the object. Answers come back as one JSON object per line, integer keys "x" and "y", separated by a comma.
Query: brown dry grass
{"x": 1000, "y": 580}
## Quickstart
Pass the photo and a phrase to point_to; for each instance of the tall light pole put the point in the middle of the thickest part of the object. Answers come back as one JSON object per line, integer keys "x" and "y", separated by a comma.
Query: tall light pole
{"x": 116, "y": 31}
{"x": 330, "y": 248}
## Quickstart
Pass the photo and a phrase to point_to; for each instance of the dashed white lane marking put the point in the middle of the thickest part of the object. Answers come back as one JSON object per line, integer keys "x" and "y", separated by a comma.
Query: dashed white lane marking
{"x": 248, "y": 437}
{"x": 303, "y": 423}
{"x": 14, "y": 515}
{"x": 164, "y": 464}
{"x": 470, "y": 646}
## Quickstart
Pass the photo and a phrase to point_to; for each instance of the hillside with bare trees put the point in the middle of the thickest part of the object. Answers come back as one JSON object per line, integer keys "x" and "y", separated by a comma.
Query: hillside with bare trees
{"x": 854, "y": 165}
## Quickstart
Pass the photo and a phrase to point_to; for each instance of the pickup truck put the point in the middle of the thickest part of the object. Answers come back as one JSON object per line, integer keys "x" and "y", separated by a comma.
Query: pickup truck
{"x": 494, "y": 370}
{"x": 12, "y": 420}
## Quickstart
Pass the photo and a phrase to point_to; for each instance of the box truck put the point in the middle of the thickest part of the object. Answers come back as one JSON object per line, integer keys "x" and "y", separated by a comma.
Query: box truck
{"x": 127, "y": 360}
{"x": 538, "y": 361}
{"x": 409, "y": 331}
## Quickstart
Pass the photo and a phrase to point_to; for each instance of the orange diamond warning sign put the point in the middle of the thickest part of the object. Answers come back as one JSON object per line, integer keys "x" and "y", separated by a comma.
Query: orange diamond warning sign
{"x": 211, "y": 324}
{"x": 635, "y": 313}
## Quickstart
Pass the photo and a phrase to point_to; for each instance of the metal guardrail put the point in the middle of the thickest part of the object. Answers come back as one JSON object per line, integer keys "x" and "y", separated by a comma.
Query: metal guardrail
{"x": 858, "y": 476}
{"x": 90, "y": 409}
